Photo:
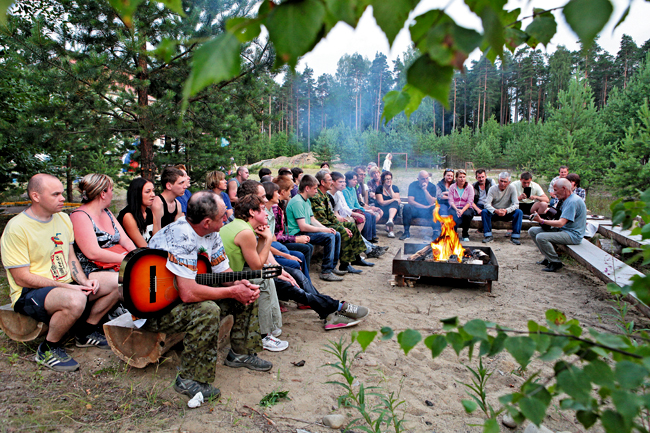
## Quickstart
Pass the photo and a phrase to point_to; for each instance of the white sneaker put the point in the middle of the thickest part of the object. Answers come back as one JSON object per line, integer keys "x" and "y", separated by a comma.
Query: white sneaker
{"x": 276, "y": 332}
{"x": 390, "y": 234}
{"x": 273, "y": 344}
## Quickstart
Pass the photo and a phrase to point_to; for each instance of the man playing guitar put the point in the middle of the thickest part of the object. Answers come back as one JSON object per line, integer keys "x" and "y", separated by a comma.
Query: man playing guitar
{"x": 200, "y": 313}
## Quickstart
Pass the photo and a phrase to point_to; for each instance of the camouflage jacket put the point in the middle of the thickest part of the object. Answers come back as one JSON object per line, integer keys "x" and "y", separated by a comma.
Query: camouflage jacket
{"x": 322, "y": 209}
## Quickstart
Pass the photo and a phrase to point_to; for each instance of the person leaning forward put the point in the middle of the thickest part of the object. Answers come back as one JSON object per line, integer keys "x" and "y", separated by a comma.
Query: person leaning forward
{"x": 568, "y": 230}
{"x": 352, "y": 244}
{"x": 502, "y": 204}
{"x": 42, "y": 268}
{"x": 199, "y": 315}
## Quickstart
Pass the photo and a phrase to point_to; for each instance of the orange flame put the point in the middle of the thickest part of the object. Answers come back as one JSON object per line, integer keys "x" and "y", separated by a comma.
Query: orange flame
{"x": 447, "y": 243}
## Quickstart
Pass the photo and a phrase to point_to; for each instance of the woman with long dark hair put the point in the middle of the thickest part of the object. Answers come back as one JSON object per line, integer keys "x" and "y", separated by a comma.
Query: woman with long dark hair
{"x": 388, "y": 200}
{"x": 136, "y": 217}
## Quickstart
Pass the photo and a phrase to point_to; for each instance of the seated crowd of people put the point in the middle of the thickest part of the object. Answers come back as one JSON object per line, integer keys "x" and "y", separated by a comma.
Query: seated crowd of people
{"x": 561, "y": 219}
{"x": 63, "y": 270}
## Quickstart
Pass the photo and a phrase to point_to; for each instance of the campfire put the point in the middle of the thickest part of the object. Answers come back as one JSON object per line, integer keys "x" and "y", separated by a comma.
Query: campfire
{"x": 447, "y": 247}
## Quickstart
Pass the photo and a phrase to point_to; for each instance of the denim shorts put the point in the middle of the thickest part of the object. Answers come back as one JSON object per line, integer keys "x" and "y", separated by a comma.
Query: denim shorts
{"x": 32, "y": 303}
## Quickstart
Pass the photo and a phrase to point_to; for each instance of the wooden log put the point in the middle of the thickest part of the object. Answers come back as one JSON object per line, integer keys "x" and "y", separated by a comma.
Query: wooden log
{"x": 421, "y": 254}
{"x": 19, "y": 327}
{"x": 139, "y": 347}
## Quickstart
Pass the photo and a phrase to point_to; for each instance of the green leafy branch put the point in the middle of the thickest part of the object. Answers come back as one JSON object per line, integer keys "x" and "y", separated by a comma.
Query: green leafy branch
{"x": 295, "y": 27}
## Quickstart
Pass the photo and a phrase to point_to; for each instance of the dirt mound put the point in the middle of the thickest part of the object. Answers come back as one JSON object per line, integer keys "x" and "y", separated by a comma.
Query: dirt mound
{"x": 299, "y": 160}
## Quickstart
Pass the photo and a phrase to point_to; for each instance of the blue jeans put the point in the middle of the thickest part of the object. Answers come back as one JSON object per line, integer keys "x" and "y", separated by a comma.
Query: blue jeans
{"x": 444, "y": 206}
{"x": 410, "y": 212}
{"x": 370, "y": 228}
{"x": 464, "y": 221}
{"x": 331, "y": 248}
{"x": 516, "y": 218}
{"x": 323, "y": 305}
{"x": 307, "y": 251}
{"x": 287, "y": 263}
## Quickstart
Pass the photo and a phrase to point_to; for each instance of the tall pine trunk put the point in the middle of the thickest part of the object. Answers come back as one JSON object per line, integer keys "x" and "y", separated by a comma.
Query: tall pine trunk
{"x": 146, "y": 142}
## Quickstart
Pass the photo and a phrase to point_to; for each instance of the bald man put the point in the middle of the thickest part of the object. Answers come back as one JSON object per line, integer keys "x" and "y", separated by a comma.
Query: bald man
{"x": 422, "y": 200}
{"x": 42, "y": 270}
{"x": 568, "y": 230}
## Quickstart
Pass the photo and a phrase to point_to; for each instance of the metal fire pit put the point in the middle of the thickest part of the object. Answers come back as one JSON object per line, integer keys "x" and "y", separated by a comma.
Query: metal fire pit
{"x": 411, "y": 269}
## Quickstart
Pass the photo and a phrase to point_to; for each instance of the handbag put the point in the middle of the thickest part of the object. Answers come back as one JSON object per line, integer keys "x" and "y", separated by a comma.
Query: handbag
{"x": 111, "y": 266}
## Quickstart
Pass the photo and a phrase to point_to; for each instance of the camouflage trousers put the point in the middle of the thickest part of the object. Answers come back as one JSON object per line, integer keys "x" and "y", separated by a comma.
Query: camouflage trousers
{"x": 351, "y": 247}
{"x": 200, "y": 321}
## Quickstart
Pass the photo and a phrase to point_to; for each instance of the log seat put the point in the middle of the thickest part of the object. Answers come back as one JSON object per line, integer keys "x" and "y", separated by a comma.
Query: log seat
{"x": 19, "y": 327}
{"x": 139, "y": 347}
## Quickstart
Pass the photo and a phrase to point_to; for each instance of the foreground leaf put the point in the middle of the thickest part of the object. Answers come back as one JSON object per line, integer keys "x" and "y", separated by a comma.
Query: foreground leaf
{"x": 543, "y": 27}
{"x": 391, "y": 15}
{"x": 394, "y": 103}
{"x": 469, "y": 405}
{"x": 533, "y": 409}
{"x": 125, "y": 9}
{"x": 293, "y": 27}
{"x": 4, "y": 9}
{"x": 215, "y": 61}
{"x": 521, "y": 348}
{"x": 365, "y": 338}
{"x": 436, "y": 343}
{"x": 491, "y": 426}
{"x": 587, "y": 18}
{"x": 408, "y": 339}
{"x": 431, "y": 78}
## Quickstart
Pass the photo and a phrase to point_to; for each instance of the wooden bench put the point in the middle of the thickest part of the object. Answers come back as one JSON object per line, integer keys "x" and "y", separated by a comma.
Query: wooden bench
{"x": 606, "y": 267}
{"x": 19, "y": 327}
{"x": 139, "y": 347}
{"x": 476, "y": 223}
{"x": 623, "y": 237}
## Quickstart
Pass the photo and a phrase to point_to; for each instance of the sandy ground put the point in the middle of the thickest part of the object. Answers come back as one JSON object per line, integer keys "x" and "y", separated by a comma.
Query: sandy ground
{"x": 522, "y": 293}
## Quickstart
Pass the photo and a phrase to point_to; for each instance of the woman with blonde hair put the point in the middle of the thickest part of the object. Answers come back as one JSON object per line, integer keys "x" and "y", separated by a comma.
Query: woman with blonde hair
{"x": 100, "y": 241}
{"x": 216, "y": 181}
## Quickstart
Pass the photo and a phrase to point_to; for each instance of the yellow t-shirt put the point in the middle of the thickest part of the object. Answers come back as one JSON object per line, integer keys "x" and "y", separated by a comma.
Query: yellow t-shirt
{"x": 43, "y": 246}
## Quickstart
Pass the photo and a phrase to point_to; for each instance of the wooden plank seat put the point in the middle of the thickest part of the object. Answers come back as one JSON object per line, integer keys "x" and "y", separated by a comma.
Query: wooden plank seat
{"x": 19, "y": 327}
{"x": 475, "y": 224}
{"x": 606, "y": 267}
{"x": 623, "y": 237}
{"x": 139, "y": 347}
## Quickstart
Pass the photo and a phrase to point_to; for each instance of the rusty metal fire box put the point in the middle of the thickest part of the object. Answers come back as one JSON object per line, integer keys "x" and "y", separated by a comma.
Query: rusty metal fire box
{"x": 404, "y": 268}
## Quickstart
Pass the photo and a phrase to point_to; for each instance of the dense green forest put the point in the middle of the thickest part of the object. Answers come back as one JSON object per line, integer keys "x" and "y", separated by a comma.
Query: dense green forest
{"x": 78, "y": 91}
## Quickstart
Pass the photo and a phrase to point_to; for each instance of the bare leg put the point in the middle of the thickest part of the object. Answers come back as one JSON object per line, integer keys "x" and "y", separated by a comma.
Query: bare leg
{"x": 106, "y": 297}
{"x": 540, "y": 207}
{"x": 391, "y": 213}
{"x": 64, "y": 306}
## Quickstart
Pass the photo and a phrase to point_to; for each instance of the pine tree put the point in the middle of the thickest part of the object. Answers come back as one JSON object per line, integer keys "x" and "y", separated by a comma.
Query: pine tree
{"x": 574, "y": 134}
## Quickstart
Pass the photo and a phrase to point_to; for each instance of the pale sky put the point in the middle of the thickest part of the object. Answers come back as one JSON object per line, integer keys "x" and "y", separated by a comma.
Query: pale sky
{"x": 367, "y": 39}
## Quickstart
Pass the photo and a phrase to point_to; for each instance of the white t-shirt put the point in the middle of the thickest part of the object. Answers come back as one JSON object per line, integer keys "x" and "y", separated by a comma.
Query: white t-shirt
{"x": 183, "y": 246}
{"x": 535, "y": 189}
{"x": 340, "y": 205}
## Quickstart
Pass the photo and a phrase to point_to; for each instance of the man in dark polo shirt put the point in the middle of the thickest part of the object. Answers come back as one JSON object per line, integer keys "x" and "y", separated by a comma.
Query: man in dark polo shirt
{"x": 422, "y": 201}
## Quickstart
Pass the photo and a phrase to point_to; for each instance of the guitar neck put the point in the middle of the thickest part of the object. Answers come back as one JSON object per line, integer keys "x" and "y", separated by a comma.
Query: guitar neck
{"x": 226, "y": 277}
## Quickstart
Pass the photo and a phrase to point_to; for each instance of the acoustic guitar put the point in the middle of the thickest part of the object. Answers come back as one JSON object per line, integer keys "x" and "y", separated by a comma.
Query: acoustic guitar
{"x": 149, "y": 288}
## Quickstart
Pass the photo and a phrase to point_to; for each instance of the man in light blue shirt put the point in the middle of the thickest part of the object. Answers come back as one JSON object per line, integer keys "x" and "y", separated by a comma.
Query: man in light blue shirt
{"x": 568, "y": 230}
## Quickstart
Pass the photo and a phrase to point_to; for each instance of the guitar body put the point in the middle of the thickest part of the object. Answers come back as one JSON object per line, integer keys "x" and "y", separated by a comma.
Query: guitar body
{"x": 149, "y": 288}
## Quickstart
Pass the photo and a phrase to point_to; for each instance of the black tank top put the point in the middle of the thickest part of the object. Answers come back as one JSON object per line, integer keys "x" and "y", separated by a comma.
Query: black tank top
{"x": 167, "y": 217}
